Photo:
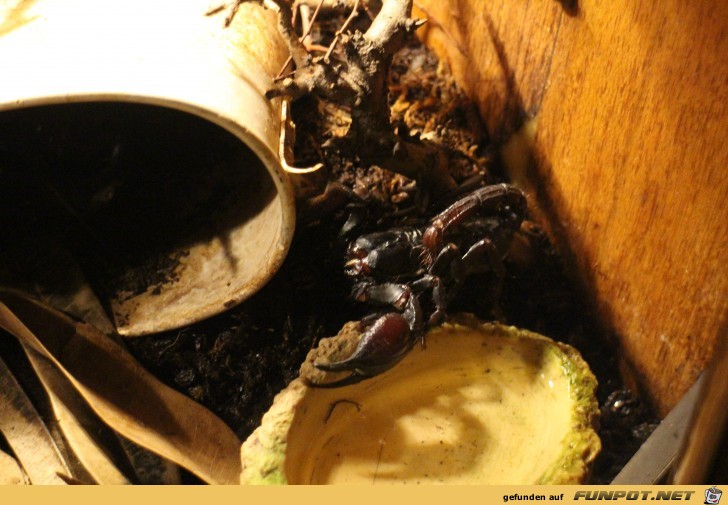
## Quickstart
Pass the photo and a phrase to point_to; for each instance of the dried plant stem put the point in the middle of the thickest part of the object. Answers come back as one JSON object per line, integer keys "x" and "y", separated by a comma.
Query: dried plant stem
{"x": 340, "y": 31}
{"x": 307, "y": 23}
{"x": 357, "y": 78}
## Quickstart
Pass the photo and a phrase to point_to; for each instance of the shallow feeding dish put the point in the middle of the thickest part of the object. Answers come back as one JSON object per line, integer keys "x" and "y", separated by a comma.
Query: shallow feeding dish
{"x": 482, "y": 404}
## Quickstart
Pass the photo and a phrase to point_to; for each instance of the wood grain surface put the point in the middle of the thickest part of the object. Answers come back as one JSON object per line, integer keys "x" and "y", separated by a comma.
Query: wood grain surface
{"x": 629, "y": 158}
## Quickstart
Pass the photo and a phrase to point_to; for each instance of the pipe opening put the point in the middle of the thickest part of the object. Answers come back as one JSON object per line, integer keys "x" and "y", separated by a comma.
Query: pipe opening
{"x": 171, "y": 217}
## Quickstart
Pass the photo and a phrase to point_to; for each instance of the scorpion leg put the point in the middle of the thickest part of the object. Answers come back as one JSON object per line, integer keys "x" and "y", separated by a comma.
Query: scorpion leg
{"x": 385, "y": 294}
{"x": 484, "y": 256}
{"x": 447, "y": 264}
{"x": 440, "y": 297}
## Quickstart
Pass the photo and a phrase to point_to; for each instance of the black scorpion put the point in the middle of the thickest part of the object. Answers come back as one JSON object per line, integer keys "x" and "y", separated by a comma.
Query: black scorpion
{"x": 395, "y": 268}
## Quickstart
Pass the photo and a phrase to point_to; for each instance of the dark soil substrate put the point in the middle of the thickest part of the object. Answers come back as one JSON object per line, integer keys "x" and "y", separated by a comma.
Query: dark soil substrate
{"x": 235, "y": 363}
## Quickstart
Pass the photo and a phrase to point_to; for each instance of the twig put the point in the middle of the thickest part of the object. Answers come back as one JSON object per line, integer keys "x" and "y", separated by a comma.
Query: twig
{"x": 306, "y": 32}
{"x": 355, "y": 83}
{"x": 280, "y": 77}
{"x": 233, "y": 11}
{"x": 305, "y": 12}
{"x": 317, "y": 47}
{"x": 215, "y": 9}
{"x": 341, "y": 30}
{"x": 170, "y": 346}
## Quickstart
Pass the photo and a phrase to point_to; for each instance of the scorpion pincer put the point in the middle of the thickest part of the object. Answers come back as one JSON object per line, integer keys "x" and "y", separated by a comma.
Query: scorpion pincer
{"x": 397, "y": 267}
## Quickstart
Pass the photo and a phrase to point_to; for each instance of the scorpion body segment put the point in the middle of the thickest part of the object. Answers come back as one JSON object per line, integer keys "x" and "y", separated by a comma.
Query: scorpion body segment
{"x": 386, "y": 253}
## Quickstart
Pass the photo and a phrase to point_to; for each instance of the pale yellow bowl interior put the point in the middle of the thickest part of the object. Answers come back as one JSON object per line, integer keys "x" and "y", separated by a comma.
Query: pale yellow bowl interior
{"x": 465, "y": 410}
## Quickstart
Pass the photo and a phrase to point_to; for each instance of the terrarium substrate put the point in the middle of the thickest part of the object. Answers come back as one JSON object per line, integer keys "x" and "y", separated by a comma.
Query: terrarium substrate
{"x": 235, "y": 363}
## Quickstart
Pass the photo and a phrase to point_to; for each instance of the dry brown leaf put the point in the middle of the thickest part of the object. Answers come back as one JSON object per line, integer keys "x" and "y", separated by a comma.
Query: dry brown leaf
{"x": 27, "y": 435}
{"x": 123, "y": 394}
{"x": 80, "y": 427}
{"x": 10, "y": 472}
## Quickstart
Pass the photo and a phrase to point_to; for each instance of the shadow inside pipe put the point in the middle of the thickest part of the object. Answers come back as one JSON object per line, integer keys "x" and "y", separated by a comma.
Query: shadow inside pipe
{"x": 127, "y": 188}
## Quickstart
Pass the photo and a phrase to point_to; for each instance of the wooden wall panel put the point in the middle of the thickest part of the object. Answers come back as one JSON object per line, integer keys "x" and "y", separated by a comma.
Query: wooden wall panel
{"x": 630, "y": 159}
{"x": 501, "y": 69}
